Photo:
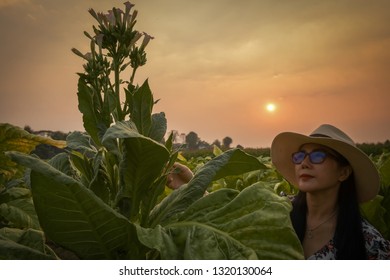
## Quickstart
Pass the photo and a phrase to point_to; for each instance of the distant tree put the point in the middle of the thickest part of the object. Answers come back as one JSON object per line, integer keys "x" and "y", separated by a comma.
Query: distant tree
{"x": 203, "y": 145}
{"x": 58, "y": 135}
{"x": 28, "y": 129}
{"x": 192, "y": 140}
{"x": 373, "y": 149}
{"x": 386, "y": 146}
{"x": 227, "y": 141}
{"x": 217, "y": 143}
{"x": 45, "y": 151}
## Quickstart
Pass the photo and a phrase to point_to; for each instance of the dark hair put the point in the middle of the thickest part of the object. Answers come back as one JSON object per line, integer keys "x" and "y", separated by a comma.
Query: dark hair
{"x": 348, "y": 239}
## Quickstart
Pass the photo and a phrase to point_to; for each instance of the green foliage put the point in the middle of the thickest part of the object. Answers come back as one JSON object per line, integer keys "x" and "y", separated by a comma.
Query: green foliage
{"x": 13, "y": 138}
{"x": 378, "y": 210}
{"x": 383, "y": 164}
{"x": 17, "y": 209}
{"x": 376, "y": 149}
{"x": 71, "y": 215}
{"x": 142, "y": 163}
{"x": 74, "y": 217}
{"x": 17, "y": 244}
{"x": 231, "y": 162}
{"x": 227, "y": 224}
{"x": 20, "y": 232}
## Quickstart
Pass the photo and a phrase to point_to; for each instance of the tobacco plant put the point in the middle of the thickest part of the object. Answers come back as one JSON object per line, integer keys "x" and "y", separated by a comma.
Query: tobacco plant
{"x": 104, "y": 198}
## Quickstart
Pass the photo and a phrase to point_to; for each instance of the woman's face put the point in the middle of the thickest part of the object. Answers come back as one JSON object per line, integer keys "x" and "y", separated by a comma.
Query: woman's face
{"x": 313, "y": 177}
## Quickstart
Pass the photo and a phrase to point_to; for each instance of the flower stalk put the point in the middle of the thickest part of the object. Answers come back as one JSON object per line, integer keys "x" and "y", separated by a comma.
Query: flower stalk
{"x": 113, "y": 49}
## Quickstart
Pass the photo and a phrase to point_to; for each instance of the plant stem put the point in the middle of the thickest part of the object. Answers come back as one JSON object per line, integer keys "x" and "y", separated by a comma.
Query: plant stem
{"x": 117, "y": 89}
{"x": 132, "y": 76}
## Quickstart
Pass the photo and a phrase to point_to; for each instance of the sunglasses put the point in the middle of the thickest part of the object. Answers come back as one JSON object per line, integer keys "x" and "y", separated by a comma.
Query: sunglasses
{"x": 315, "y": 157}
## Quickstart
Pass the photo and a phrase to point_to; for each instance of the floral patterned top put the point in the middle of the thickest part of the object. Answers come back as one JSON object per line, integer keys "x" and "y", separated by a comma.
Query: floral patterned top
{"x": 377, "y": 247}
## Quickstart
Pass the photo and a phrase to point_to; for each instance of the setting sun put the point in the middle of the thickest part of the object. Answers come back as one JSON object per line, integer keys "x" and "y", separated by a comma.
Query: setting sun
{"x": 270, "y": 107}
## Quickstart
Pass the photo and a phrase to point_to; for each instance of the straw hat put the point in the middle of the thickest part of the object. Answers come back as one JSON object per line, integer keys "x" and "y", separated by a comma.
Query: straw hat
{"x": 366, "y": 175}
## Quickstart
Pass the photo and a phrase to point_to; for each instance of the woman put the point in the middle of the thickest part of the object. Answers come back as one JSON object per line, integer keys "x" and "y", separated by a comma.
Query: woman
{"x": 333, "y": 176}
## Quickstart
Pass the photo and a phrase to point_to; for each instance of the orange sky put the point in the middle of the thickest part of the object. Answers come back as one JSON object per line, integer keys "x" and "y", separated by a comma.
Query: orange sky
{"x": 214, "y": 65}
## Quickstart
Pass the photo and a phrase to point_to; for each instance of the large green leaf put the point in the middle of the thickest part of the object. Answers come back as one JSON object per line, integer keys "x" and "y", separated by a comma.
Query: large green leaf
{"x": 61, "y": 162}
{"x": 72, "y": 216}
{"x": 226, "y": 224}
{"x": 374, "y": 212}
{"x": 29, "y": 244}
{"x": 101, "y": 184}
{"x": 377, "y": 211}
{"x": 95, "y": 123}
{"x": 17, "y": 208}
{"x": 159, "y": 127}
{"x": 81, "y": 142}
{"x": 231, "y": 162}
{"x": 89, "y": 162}
{"x": 142, "y": 164}
{"x": 141, "y": 105}
{"x": 239, "y": 163}
{"x": 95, "y": 169}
{"x": 13, "y": 138}
{"x": 10, "y": 194}
{"x": 20, "y": 213}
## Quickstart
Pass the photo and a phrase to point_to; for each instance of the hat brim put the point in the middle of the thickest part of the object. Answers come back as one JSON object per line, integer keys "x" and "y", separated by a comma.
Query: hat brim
{"x": 366, "y": 175}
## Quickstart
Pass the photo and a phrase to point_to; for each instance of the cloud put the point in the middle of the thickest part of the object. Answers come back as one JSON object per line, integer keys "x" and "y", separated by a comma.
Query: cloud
{"x": 224, "y": 38}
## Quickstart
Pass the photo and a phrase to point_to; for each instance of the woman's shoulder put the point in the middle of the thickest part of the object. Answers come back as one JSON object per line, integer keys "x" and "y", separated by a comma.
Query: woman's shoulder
{"x": 378, "y": 248}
